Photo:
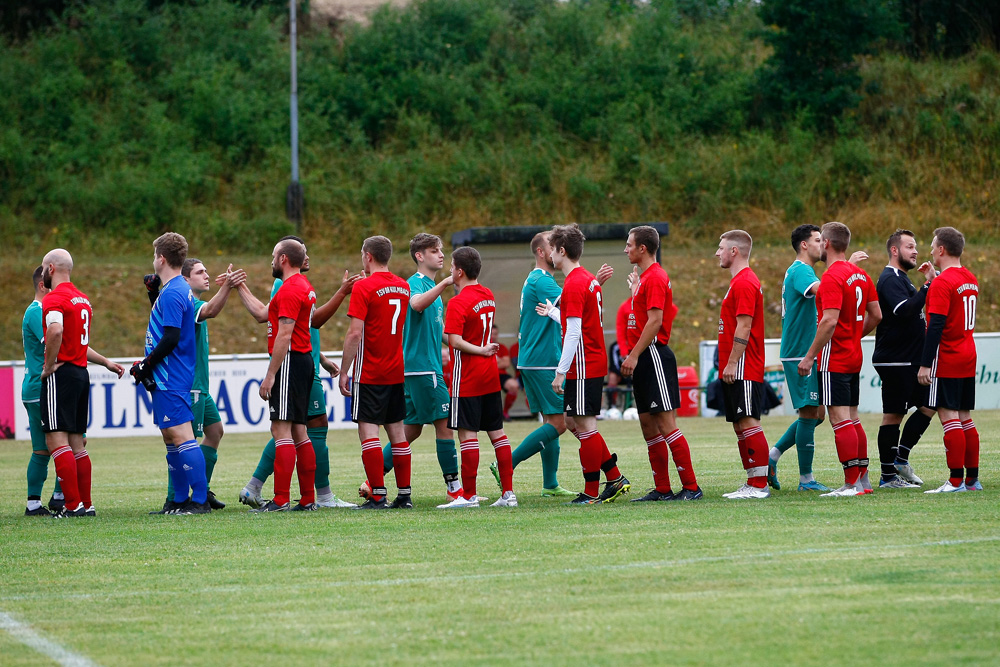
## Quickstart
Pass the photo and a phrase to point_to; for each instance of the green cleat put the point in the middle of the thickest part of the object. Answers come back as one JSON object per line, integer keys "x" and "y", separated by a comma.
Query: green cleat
{"x": 772, "y": 475}
{"x": 812, "y": 486}
{"x": 557, "y": 492}
{"x": 496, "y": 475}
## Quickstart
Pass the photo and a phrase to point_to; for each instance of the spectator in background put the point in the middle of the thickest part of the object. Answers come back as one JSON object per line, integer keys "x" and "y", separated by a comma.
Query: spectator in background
{"x": 508, "y": 376}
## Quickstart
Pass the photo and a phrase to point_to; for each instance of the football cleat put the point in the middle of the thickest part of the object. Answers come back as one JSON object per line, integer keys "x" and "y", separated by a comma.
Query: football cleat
{"x": 508, "y": 499}
{"x": 41, "y": 510}
{"x": 843, "y": 492}
{"x": 496, "y": 475}
{"x": 863, "y": 486}
{"x": 813, "y": 485}
{"x": 556, "y": 492}
{"x": 331, "y": 500}
{"x": 214, "y": 502}
{"x": 584, "y": 499}
{"x": 975, "y": 486}
{"x": 612, "y": 490}
{"x": 91, "y": 511}
{"x": 896, "y": 482}
{"x": 459, "y": 503}
{"x": 169, "y": 507}
{"x": 308, "y": 507}
{"x": 747, "y": 492}
{"x": 69, "y": 514}
{"x": 947, "y": 488}
{"x": 772, "y": 475}
{"x": 372, "y": 504}
{"x": 689, "y": 494}
{"x": 905, "y": 471}
{"x": 56, "y": 504}
{"x": 191, "y": 507}
{"x": 402, "y": 502}
{"x": 740, "y": 490}
{"x": 251, "y": 498}
{"x": 271, "y": 506}
{"x": 654, "y": 496}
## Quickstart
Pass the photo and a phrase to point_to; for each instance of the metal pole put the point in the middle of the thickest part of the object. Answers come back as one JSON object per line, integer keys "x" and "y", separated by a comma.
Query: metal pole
{"x": 293, "y": 202}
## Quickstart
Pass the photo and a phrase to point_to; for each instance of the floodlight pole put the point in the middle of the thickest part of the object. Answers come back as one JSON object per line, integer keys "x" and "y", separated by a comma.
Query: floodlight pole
{"x": 293, "y": 198}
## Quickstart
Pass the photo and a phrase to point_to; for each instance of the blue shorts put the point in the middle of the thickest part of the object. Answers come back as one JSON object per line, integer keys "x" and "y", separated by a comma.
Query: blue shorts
{"x": 171, "y": 408}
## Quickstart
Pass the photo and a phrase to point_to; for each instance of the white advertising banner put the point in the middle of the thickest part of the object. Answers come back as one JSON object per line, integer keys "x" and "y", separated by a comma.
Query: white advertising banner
{"x": 118, "y": 408}
{"x": 987, "y": 375}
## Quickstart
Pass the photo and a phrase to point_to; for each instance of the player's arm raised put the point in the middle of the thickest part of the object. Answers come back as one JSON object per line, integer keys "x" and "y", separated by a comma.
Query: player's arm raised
{"x": 741, "y": 337}
{"x": 237, "y": 281}
{"x": 282, "y": 343}
{"x": 217, "y": 302}
{"x": 824, "y": 332}
{"x": 323, "y": 314}
{"x": 646, "y": 339}
{"x": 352, "y": 341}
{"x": 420, "y": 302}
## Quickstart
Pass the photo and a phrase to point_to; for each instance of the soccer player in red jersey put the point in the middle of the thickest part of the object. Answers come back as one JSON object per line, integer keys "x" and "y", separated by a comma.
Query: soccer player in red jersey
{"x": 653, "y": 368}
{"x": 848, "y": 310}
{"x": 741, "y": 357}
{"x": 374, "y": 347}
{"x": 948, "y": 363}
{"x": 288, "y": 380}
{"x": 67, "y": 318}
{"x": 475, "y": 388}
{"x": 582, "y": 366}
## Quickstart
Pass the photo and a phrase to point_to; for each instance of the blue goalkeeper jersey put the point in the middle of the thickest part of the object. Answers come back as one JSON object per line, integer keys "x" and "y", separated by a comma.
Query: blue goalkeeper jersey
{"x": 174, "y": 308}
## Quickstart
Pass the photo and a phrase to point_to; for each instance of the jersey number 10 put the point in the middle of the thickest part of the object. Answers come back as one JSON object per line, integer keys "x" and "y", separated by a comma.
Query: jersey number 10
{"x": 969, "y": 304}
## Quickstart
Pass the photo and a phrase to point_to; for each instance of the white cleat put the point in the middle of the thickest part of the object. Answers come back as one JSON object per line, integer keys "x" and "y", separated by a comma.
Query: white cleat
{"x": 332, "y": 500}
{"x": 508, "y": 499}
{"x": 459, "y": 503}
{"x": 843, "y": 492}
{"x": 481, "y": 499}
{"x": 747, "y": 492}
{"x": 947, "y": 488}
{"x": 251, "y": 498}
{"x": 737, "y": 492}
{"x": 898, "y": 482}
{"x": 905, "y": 470}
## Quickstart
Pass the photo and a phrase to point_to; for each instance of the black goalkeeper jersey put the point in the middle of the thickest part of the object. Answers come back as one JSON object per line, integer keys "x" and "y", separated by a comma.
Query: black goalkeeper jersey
{"x": 899, "y": 339}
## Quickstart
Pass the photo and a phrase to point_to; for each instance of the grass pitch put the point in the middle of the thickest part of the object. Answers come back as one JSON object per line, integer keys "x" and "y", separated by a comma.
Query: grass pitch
{"x": 898, "y": 577}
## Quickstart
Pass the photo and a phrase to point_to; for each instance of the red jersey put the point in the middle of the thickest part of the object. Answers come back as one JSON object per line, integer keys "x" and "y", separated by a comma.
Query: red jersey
{"x": 69, "y": 305}
{"x": 745, "y": 297}
{"x": 621, "y": 327}
{"x": 296, "y": 300}
{"x": 955, "y": 294}
{"x": 847, "y": 287}
{"x": 470, "y": 315}
{"x": 656, "y": 292}
{"x": 581, "y": 297}
{"x": 380, "y": 301}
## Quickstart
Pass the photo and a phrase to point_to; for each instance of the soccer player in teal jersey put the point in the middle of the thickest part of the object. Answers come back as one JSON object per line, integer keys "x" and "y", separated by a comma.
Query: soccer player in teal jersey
{"x": 798, "y": 328}
{"x": 427, "y": 397}
{"x": 318, "y": 425}
{"x": 33, "y": 338}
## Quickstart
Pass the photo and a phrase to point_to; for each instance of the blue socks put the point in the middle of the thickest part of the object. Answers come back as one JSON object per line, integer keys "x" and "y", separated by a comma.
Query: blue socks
{"x": 192, "y": 463}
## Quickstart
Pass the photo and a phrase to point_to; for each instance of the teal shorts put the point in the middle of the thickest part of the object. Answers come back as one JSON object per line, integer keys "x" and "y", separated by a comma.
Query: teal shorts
{"x": 427, "y": 399}
{"x": 35, "y": 426}
{"x": 804, "y": 391}
{"x": 205, "y": 412}
{"x": 317, "y": 400}
{"x": 538, "y": 387}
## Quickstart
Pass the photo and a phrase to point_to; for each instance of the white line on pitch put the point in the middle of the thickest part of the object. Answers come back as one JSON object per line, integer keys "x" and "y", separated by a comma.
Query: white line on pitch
{"x": 25, "y": 634}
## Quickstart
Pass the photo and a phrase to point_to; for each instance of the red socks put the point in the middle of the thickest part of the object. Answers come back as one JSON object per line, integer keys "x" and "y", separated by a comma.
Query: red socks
{"x": 971, "y": 449}
{"x": 656, "y": 448}
{"x": 955, "y": 449}
{"x": 862, "y": 447}
{"x": 845, "y": 437}
{"x": 590, "y": 458}
{"x": 371, "y": 459}
{"x": 681, "y": 453}
{"x": 65, "y": 465}
{"x": 508, "y": 401}
{"x": 305, "y": 467}
{"x": 284, "y": 462}
{"x": 83, "y": 477}
{"x": 470, "y": 466}
{"x": 755, "y": 445}
{"x": 402, "y": 460}
{"x": 505, "y": 464}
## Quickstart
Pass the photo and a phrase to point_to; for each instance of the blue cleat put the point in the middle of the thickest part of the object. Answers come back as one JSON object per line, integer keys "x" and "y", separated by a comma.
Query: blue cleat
{"x": 772, "y": 475}
{"x": 812, "y": 486}
{"x": 975, "y": 486}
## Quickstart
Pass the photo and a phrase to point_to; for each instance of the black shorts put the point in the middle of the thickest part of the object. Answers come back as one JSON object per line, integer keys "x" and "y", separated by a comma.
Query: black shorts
{"x": 582, "y": 398}
{"x": 900, "y": 389}
{"x": 743, "y": 398}
{"x": 654, "y": 381}
{"x": 953, "y": 393}
{"x": 290, "y": 394}
{"x": 476, "y": 413}
{"x": 503, "y": 381}
{"x": 378, "y": 403}
{"x": 66, "y": 400}
{"x": 839, "y": 388}
{"x": 614, "y": 359}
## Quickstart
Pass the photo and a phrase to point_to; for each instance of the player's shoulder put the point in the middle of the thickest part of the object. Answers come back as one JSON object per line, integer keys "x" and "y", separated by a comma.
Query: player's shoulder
{"x": 746, "y": 279}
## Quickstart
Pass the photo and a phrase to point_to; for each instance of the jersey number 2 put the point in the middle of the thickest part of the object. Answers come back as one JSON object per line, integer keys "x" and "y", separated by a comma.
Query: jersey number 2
{"x": 860, "y": 297}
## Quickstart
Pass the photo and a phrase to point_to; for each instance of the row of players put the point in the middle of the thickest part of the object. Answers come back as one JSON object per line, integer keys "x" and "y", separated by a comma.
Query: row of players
{"x": 562, "y": 361}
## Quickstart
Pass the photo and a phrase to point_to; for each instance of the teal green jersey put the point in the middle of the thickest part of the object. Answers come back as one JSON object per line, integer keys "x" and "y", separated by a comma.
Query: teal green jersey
{"x": 539, "y": 337}
{"x": 798, "y": 311}
{"x": 423, "y": 333}
{"x": 313, "y": 333}
{"x": 201, "y": 350}
{"x": 33, "y": 336}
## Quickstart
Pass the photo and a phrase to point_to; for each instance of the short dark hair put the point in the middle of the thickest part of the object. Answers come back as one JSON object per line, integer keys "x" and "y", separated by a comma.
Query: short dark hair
{"x": 803, "y": 233}
{"x": 838, "y": 234}
{"x": 537, "y": 240}
{"x": 294, "y": 251}
{"x": 421, "y": 242}
{"x": 645, "y": 235}
{"x": 896, "y": 238}
{"x": 379, "y": 247}
{"x": 36, "y": 276}
{"x": 188, "y": 266}
{"x": 468, "y": 259}
{"x": 569, "y": 238}
{"x": 172, "y": 247}
{"x": 292, "y": 237}
{"x": 952, "y": 240}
